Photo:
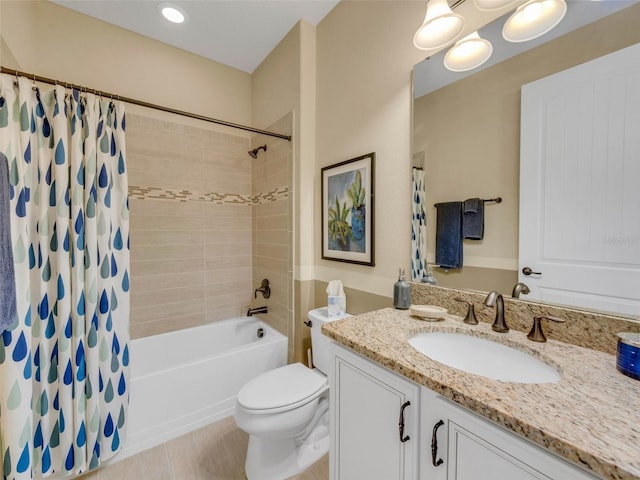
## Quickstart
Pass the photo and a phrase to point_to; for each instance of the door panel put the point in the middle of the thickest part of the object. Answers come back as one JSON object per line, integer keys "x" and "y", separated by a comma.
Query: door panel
{"x": 580, "y": 184}
{"x": 472, "y": 458}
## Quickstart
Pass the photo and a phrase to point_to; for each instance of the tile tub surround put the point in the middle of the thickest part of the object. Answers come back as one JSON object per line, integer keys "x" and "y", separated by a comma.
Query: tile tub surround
{"x": 584, "y": 328}
{"x": 208, "y": 223}
{"x": 589, "y": 417}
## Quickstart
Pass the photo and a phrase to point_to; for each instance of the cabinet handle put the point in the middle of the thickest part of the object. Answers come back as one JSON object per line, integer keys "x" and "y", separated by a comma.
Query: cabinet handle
{"x": 403, "y": 438}
{"x": 434, "y": 445}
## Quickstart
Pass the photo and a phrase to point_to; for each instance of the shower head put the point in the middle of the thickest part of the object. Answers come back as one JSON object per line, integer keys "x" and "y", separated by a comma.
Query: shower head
{"x": 254, "y": 153}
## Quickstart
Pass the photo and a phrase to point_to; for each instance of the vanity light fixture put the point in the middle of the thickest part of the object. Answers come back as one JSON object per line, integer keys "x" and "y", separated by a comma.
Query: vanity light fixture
{"x": 533, "y": 19}
{"x": 468, "y": 53}
{"x": 171, "y": 12}
{"x": 440, "y": 27}
{"x": 489, "y": 5}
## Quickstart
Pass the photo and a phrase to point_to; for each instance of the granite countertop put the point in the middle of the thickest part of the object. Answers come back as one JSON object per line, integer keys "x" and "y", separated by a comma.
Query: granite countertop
{"x": 591, "y": 416}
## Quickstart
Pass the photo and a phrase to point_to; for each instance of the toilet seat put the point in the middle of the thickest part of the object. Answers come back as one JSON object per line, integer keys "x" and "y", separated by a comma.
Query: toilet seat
{"x": 281, "y": 389}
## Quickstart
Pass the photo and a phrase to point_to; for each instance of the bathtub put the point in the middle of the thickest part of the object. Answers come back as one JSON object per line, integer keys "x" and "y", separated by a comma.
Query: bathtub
{"x": 183, "y": 380}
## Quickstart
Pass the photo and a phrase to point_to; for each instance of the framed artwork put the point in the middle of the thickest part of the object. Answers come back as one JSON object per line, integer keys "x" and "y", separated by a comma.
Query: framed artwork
{"x": 347, "y": 211}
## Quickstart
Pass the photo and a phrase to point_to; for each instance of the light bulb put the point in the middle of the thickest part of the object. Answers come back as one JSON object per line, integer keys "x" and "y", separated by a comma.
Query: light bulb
{"x": 440, "y": 27}
{"x": 468, "y": 53}
{"x": 171, "y": 13}
{"x": 533, "y": 19}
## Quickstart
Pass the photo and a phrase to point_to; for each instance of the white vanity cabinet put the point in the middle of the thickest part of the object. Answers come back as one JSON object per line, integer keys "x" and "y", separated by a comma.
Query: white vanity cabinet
{"x": 366, "y": 414}
{"x": 374, "y": 421}
{"x": 460, "y": 445}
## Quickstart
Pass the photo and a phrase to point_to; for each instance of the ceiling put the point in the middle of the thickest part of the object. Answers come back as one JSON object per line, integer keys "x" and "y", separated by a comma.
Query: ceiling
{"x": 237, "y": 33}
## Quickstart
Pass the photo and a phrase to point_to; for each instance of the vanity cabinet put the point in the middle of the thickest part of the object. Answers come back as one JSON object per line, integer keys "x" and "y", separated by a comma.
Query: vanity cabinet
{"x": 442, "y": 440}
{"x": 465, "y": 446}
{"x": 374, "y": 421}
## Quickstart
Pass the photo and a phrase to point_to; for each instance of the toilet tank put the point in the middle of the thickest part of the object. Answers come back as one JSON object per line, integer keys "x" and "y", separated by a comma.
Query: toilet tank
{"x": 319, "y": 342}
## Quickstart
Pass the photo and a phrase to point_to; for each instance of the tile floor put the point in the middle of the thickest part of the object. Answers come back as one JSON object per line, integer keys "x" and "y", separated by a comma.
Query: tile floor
{"x": 214, "y": 452}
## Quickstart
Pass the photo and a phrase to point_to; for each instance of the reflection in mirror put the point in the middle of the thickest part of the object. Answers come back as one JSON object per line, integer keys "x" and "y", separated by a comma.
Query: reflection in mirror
{"x": 466, "y": 132}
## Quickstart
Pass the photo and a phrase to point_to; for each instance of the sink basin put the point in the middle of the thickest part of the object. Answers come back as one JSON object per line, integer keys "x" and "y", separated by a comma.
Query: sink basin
{"x": 483, "y": 357}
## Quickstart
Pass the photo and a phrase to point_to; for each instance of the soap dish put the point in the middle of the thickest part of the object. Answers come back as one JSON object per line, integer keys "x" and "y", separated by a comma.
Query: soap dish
{"x": 428, "y": 312}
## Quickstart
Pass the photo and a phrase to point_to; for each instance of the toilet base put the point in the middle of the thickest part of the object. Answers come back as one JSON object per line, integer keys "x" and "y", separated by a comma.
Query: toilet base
{"x": 278, "y": 459}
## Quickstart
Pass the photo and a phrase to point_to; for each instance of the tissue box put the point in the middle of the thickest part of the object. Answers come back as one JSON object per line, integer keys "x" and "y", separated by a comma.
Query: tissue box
{"x": 337, "y": 306}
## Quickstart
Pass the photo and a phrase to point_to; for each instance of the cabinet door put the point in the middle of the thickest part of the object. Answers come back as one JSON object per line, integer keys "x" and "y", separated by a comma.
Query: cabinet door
{"x": 473, "y": 458}
{"x": 366, "y": 406}
{"x": 472, "y": 448}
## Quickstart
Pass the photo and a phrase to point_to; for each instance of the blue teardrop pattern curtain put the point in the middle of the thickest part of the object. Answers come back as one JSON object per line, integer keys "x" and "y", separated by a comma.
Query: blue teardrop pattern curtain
{"x": 418, "y": 226}
{"x": 64, "y": 368}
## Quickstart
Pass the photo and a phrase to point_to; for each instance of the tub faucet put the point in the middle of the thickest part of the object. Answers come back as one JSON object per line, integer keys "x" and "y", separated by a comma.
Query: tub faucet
{"x": 495, "y": 298}
{"x": 253, "y": 311}
{"x": 520, "y": 288}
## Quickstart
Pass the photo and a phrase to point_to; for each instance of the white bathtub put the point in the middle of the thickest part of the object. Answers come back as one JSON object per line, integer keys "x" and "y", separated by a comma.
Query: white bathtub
{"x": 186, "y": 379}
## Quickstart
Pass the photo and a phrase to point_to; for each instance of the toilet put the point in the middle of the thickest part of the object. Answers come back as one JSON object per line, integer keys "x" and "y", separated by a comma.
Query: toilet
{"x": 285, "y": 411}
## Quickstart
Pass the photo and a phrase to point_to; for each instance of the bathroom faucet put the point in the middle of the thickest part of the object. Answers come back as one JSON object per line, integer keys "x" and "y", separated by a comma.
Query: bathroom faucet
{"x": 495, "y": 298}
{"x": 520, "y": 288}
{"x": 253, "y": 311}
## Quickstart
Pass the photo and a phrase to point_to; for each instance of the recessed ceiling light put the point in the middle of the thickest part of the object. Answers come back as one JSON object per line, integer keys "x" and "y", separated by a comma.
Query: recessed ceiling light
{"x": 171, "y": 12}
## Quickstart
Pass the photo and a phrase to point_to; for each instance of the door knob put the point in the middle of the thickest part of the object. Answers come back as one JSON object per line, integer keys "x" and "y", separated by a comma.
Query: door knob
{"x": 528, "y": 271}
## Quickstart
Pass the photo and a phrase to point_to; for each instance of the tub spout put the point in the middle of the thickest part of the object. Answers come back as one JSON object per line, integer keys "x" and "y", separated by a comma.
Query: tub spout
{"x": 253, "y": 311}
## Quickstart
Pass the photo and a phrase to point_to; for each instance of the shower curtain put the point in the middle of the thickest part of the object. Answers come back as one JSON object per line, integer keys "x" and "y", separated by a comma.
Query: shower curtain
{"x": 64, "y": 365}
{"x": 418, "y": 226}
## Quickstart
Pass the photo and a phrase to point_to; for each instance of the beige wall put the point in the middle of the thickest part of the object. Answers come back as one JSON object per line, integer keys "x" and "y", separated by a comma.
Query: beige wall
{"x": 365, "y": 55}
{"x": 285, "y": 82}
{"x": 190, "y": 194}
{"x": 276, "y": 95}
{"x": 347, "y": 84}
{"x": 43, "y": 38}
{"x": 469, "y": 132}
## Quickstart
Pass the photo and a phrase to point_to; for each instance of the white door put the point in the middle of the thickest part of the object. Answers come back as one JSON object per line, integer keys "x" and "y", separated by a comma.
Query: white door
{"x": 580, "y": 185}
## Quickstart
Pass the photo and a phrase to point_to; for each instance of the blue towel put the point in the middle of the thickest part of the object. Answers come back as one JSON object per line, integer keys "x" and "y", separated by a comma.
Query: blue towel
{"x": 449, "y": 234}
{"x": 7, "y": 279}
{"x": 473, "y": 219}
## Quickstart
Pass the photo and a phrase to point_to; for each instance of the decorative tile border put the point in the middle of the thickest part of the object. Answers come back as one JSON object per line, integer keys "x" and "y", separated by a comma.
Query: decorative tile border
{"x": 157, "y": 193}
{"x": 279, "y": 193}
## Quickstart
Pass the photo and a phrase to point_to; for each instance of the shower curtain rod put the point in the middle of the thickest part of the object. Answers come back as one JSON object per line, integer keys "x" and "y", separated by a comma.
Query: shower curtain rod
{"x": 141, "y": 103}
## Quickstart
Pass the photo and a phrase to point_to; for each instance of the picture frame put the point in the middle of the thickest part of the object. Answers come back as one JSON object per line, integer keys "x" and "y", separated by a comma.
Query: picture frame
{"x": 347, "y": 192}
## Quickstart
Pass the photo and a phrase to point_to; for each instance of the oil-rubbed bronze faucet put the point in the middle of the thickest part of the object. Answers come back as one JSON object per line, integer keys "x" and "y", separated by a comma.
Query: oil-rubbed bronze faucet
{"x": 495, "y": 298}
{"x": 520, "y": 288}
{"x": 265, "y": 289}
{"x": 252, "y": 311}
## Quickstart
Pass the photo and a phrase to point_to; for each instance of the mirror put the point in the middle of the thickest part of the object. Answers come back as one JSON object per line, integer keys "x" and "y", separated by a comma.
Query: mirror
{"x": 466, "y": 129}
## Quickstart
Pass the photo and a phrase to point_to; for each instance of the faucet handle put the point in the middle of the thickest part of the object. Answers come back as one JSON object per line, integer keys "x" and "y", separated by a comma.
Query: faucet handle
{"x": 536, "y": 334}
{"x": 265, "y": 289}
{"x": 470, "y": 318}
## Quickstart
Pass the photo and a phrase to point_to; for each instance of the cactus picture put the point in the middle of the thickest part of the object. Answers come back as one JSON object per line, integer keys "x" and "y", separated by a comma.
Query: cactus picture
{"x": 347, "y": 211}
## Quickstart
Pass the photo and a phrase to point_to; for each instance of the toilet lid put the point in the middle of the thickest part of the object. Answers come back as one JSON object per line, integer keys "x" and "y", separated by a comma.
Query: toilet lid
{"x": 281, "y": 387}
